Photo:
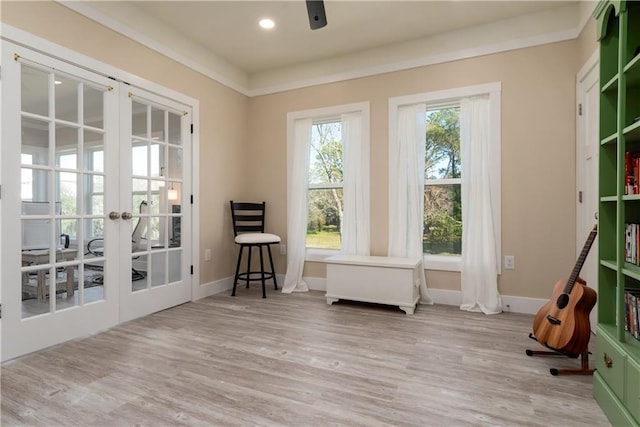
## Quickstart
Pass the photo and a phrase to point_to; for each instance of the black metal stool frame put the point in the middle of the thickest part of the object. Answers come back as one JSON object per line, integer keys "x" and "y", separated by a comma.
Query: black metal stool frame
{"x": 249, "y": 218}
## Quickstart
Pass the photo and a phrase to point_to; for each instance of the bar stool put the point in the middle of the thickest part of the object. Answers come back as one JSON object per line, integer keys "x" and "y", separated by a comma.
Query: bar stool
{"x": 248, "y": 231}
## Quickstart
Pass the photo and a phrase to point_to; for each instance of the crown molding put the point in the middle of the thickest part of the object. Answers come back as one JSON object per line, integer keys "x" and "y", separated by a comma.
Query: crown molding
{"x": 350, "y": 66}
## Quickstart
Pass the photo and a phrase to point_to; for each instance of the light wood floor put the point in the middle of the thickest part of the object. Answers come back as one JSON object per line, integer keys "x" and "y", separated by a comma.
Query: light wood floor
{"x": 294, "y": 360}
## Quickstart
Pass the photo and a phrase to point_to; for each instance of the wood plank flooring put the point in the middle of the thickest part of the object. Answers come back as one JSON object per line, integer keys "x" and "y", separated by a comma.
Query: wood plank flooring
{"x": 293, "y": 360}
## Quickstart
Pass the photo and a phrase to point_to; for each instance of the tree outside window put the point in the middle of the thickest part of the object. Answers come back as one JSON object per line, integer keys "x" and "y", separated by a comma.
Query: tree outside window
{"x": 442, "y": 233}
{"x": 325, "y": 186}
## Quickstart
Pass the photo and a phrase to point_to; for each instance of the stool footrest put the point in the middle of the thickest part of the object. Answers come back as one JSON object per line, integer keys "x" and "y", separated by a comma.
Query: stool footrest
{"x": 257, "y": 276}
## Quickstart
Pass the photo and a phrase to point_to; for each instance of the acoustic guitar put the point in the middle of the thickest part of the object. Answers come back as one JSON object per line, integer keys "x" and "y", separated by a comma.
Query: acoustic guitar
{"x": 562, "y": 324}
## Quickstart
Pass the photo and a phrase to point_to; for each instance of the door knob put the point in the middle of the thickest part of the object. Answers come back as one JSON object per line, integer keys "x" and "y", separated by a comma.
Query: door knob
{"x": 114, "y": 215}
{"x": 126, "y": 215}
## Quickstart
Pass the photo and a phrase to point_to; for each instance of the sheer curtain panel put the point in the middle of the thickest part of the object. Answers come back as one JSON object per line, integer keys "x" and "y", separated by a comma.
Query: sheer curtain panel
{"x": 298, "y": 158}
{"x": 406, "y": 188}
{"x": 355, "y": 222}
{"x": 479, "y": 275}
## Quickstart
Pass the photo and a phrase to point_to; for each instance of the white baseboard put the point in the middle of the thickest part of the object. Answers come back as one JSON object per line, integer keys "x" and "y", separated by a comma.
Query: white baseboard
{"x": 207, "y": 289}
{"x": 510, "y": 303}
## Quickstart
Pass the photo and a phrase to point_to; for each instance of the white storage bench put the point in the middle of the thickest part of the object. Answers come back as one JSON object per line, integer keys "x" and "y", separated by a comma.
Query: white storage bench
{"x": 377, "y": 279}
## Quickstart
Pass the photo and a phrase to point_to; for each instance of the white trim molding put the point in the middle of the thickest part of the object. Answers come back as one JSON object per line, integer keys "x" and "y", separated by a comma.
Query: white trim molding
{"x": 545, "y": 27}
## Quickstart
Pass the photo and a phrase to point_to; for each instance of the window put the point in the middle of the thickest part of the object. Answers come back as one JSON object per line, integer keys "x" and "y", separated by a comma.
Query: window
{"x": 325, "y": 194}
{"x": 328, "y": 182}
{"x": 442, "y": 233}
{"x": 444, "y": 169}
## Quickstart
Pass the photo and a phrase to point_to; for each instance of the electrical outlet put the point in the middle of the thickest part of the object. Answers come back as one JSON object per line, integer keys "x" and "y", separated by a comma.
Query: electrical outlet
{"x": 283, "y": 249}
{"x": 509, "y": 262}
{"x": 207, "y": 254}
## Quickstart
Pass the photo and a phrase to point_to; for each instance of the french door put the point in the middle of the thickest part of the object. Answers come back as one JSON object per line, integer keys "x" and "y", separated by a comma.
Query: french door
{"x": 94, "y": 225}
{"x": 154, "y": 136}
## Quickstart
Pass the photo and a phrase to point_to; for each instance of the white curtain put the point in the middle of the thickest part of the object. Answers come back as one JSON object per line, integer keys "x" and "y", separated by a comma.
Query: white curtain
{"x": 355, "y": 152}
{"x": 298, "y": 165}
{"x": 479, "y": 282}
{"x": 406, "y": 188}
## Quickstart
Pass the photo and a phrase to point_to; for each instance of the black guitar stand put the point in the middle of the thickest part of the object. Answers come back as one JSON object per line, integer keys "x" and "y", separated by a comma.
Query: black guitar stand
{"x": 584, "y": 368}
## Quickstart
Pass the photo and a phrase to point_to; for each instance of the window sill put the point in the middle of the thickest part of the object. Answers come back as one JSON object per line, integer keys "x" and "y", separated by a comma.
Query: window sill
{"x": 319, "y": 255}
{"x": 442, "y": 262}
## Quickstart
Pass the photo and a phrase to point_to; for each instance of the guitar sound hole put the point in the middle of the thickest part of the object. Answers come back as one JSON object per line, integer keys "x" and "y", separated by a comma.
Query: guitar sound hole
{"x": 562, "y": 301}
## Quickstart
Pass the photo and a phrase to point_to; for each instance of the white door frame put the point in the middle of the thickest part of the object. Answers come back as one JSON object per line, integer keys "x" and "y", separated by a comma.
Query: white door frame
{"x": 585, "y": 193}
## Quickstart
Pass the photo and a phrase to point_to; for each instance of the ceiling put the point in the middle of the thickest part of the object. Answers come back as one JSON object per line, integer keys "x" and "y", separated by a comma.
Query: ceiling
{"x": 224, "y": 36}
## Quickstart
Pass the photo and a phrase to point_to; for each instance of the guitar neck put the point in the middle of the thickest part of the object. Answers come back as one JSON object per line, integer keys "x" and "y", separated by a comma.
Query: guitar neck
{"x": 580, "y": 262}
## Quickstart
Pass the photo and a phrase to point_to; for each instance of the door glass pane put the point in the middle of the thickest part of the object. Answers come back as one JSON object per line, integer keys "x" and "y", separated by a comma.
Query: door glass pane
{"x": 93, "y": 107}
{"x": 139, "y": 119}
{"x": 174, "y": 231}
{"x": 35, "y": 188}
{"x": 66, "y": 146}
{"x": 158, "y": 197}
{"x": 66, "y": 95}
{"x": 94, "y": 231}
{"x": 139, "y": 159}
{"x": 93, "y": 281}
{"x": 67, "y": 184}
{"x": 35, "y": 291}
{"x": 94, "y": 190}
{"x": 93, "y": 151}
{"x": 175, "y": 163}
{"x": 35, "y": 141}
{"x": 175, "y": 266}
{"x": 139, "y": 272}
{"x": 158, "y": 268}
{"x": 139, "y": 189}
{"x": 157, "y": 159}
{"x": 36, "y": 235}
{"x": 157, "y": 124}
{"x": 69, "y": 237}
{"x": 156, "y": 231}
{"x": 175, "y": 130}
{"x": 34, "y": 91}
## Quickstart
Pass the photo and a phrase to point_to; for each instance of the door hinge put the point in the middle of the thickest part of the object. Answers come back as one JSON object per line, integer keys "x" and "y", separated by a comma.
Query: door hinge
{"x": 192, "y": 199}
{"x": 579, "y": 109}
{"x": 192, "y": 270}
{"x": 0, "y": 192}
{"x": 0, "y": 311}
{"x": 580, "y": 196}
{"x": 192, "y": 128}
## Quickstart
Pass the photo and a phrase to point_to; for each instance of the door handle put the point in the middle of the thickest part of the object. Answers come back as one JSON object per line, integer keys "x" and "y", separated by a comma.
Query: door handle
{"x": 595, "y": 215}
{"x": 114, "y": 215}
{"x": 126, "y": 215}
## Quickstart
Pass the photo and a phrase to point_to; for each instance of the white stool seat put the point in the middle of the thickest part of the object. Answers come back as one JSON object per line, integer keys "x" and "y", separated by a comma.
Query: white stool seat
{"x": 256, "y": 238}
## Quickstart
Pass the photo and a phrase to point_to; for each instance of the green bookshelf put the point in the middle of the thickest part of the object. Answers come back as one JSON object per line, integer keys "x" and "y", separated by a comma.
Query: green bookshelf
{"x": 617, "y": 378}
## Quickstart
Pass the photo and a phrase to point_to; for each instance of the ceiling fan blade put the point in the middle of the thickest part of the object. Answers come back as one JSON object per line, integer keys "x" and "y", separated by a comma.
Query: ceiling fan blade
{"x": 317, "y": 16}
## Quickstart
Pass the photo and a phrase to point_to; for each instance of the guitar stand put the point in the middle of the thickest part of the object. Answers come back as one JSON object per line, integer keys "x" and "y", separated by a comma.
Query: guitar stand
{"x": 584, "y": 368}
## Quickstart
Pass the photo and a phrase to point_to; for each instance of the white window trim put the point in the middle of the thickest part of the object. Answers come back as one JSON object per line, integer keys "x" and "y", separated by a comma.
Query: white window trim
{"x": 438, "y": 99}
{"x": 318, "y": 115}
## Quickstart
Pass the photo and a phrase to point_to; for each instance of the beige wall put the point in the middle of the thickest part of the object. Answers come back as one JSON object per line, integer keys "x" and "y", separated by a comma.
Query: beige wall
{"x": 223, "y": 114}
{"x": 538, "y": 160}
{"x": 243, "y": 141}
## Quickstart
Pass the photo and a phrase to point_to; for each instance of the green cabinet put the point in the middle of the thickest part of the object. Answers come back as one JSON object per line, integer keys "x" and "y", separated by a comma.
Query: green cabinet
{"x": 617, "y": 378}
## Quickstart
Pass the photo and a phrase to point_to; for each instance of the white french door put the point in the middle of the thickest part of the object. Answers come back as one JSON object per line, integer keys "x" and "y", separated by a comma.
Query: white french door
{"x": 155, "y": 141}
{"x": 95, "y": 225}
{"x": 59, "y": 139}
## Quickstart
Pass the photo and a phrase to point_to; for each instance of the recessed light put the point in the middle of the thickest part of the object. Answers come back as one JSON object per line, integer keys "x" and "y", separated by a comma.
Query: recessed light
{"x": 267, "y": 23}
{"x": 58, "y": 82}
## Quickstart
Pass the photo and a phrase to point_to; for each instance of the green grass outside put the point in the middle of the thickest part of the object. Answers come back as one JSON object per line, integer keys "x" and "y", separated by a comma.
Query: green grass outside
{"x": 324, "y": 240}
